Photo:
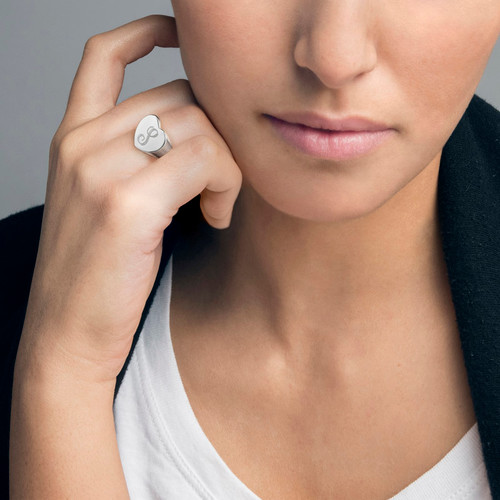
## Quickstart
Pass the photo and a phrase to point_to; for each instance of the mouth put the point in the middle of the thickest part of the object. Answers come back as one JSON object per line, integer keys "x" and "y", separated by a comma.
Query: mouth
{"x": 345, "y": 139}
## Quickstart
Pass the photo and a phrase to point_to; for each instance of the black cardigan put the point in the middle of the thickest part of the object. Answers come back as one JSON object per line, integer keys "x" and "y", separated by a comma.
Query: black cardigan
{"x": 469, "y": 218}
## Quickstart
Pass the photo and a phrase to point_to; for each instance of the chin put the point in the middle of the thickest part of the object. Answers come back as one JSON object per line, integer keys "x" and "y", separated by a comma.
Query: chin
{"x": 326, "y": 214}
{"x": 322, "y": 205}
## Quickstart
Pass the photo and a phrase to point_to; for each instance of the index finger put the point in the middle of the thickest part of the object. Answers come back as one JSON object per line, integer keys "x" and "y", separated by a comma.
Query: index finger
{"x": 99, "y": 78}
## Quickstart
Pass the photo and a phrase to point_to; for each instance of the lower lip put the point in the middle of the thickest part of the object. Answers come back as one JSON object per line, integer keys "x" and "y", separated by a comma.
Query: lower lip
{"x": 332, "y": 145}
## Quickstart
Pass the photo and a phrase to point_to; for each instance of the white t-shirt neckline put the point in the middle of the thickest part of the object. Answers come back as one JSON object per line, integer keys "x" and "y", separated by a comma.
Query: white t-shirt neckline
{"x": 461, "y": 474}
{"x": 171, "y": 411}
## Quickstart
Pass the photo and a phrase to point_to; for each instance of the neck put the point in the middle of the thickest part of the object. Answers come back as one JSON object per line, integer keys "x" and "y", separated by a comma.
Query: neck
{"x": 294, "y": 265}
{"x": 296, "y": 278}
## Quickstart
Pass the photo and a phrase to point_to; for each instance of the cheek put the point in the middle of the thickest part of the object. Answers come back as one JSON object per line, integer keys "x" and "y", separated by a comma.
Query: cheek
{"x": 441, "y": 59}
{"x": 226, "y": 59}
{"x": 228, "y": 71}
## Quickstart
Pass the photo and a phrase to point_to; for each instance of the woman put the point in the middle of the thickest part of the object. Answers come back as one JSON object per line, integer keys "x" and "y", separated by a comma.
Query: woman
{"x": 315, "y": 334}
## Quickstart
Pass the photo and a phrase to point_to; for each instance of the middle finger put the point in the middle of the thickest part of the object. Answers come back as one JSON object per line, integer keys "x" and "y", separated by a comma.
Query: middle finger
{"x": 180, "y": 124}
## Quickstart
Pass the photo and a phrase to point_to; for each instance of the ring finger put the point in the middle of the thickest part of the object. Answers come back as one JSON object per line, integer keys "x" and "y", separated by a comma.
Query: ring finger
{"x": 179, "y": 117}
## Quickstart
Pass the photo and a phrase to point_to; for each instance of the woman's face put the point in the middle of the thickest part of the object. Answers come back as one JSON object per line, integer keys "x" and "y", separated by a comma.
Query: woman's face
{"x": 413, "y": 65}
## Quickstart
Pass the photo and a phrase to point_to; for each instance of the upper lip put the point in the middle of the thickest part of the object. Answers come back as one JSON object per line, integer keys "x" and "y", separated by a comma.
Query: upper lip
{"x": 320, "y": 121}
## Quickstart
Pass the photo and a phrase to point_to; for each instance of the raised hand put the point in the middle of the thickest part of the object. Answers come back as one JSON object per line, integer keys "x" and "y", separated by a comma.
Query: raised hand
{"x": 107, "y": 206}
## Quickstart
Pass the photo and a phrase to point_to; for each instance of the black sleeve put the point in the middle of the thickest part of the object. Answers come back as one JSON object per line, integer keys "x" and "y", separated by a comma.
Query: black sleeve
{"x": 19, "y": 237}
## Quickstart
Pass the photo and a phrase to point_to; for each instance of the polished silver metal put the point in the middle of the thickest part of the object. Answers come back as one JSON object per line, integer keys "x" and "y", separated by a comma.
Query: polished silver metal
{"x": 151, "y": 138}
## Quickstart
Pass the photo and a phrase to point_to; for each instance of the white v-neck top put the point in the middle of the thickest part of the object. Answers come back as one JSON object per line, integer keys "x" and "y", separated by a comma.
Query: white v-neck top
{"x": 166, "y": 455}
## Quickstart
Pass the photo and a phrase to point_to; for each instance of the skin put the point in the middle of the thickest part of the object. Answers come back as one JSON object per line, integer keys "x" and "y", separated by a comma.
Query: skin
{"x": 336, "y": 376}
{"x": 407, "y": 64}
{"x": 331, "y": 275}
{"x": 106, "y": 208}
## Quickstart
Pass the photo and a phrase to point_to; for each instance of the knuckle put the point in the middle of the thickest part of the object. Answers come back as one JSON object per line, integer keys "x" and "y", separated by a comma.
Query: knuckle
{"x": 121, "y": 198}
{"x": 194, "y": 114}
{"x": 103, "y": 44}
{"x": 180, "y": 93}
{"x": 94, "y": 43}
{"x": 182, "y": 87}
{"x": 203, "y": 146}
{"x": 58, "y": 135}
{"x": 87, "y": 181}
{"x": 237, "y": 173}
{"x": 54, "y": 146}
{"x": 66, "y": 148}
{"x": 121, "y": 203}
{"x": 182, "y": 83}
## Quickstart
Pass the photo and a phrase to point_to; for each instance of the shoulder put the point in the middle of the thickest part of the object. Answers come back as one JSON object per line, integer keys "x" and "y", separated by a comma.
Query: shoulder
{"x": 485, "y": 111}
{"x": 484, "y": 120}
{"x": 471, "y": 156}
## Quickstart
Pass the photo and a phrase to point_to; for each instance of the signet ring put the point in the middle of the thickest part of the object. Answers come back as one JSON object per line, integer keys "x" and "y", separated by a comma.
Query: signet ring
{"x": 151, "y": 138}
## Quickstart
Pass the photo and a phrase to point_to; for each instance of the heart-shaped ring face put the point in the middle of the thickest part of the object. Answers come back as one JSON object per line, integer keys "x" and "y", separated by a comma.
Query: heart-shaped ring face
{"x": 149, "y": 137}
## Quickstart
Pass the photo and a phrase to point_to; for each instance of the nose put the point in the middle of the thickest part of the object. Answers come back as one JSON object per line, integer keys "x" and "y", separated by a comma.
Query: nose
{"x": 335, "y": 40}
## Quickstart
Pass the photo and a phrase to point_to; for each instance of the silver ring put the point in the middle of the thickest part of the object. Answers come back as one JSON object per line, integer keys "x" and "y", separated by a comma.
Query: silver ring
{"x": 150, "y": 138}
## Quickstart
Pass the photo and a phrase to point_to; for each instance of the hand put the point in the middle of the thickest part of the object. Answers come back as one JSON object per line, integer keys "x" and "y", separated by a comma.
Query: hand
{"x": 107, "y": 204}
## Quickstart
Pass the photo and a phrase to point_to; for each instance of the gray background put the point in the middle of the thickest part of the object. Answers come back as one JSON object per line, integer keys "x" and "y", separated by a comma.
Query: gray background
{"x": 41, "y": 44}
